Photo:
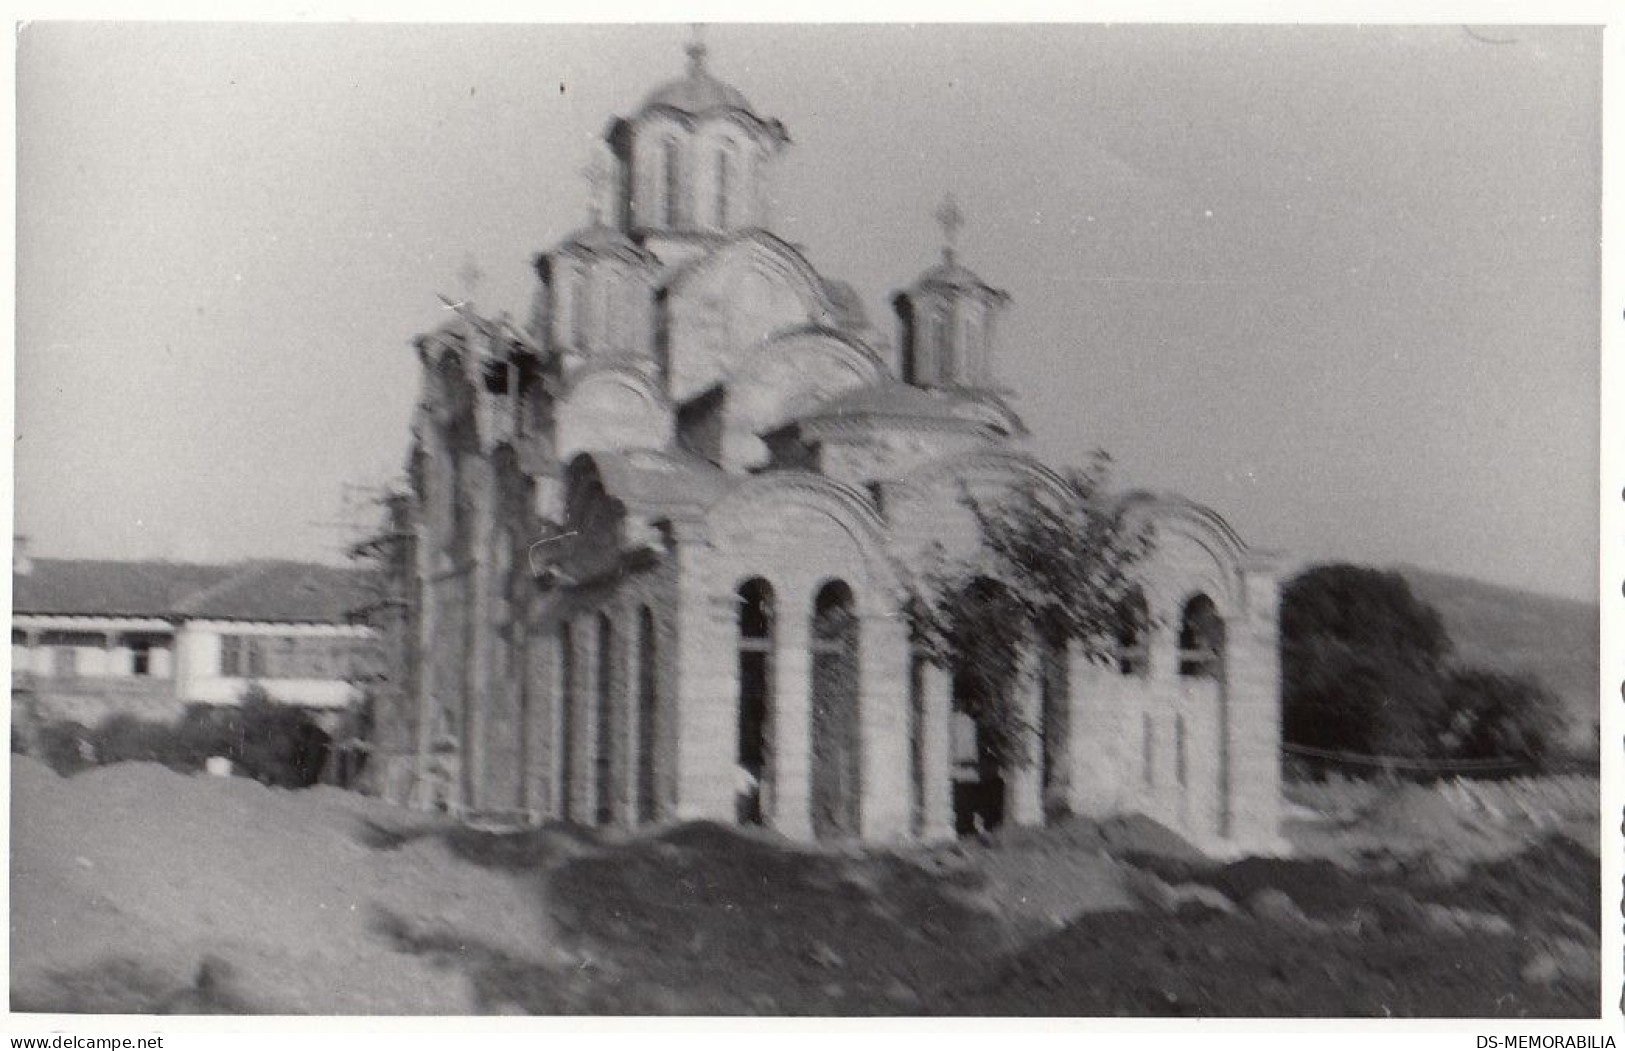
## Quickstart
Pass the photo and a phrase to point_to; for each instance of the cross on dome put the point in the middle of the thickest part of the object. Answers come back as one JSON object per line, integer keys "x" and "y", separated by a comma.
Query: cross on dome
{"x": 696, "y": 51}
{"x": 950, "y": 218}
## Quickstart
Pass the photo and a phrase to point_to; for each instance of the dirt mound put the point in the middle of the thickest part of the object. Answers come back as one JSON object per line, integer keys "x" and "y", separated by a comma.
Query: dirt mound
{"x": 135, "y": 889}
{"x": 714, "y": 920}
{"x": 134, "y": 862}
{"x": 1553, "y": 878}
{"x": 1138, "y": 964}
{"x": 1120, "y": 836}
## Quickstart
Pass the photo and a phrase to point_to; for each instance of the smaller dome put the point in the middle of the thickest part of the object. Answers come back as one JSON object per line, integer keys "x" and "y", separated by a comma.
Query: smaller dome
{"x": 955, "y": 277}
{"x": 952, "y": 275}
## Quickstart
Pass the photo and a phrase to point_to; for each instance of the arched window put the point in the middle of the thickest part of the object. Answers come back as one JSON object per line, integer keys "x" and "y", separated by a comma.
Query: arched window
{"x": 755, "y": 695}
{"x": 567, "y": 703}
{"x": 673, "y": 188}
{"x": 1133, "y": 626}
{"x": 836, "y": 775}
{"x": 604, "y": 754}
{"x": 646, "y": 731}
{"x": 942, "y": 351}
{"x": 724, "y": 163}
{"x": 1201, "y": 640}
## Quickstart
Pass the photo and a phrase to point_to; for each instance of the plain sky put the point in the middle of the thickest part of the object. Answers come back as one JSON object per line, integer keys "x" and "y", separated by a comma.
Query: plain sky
{"x": 1339, "y": 283}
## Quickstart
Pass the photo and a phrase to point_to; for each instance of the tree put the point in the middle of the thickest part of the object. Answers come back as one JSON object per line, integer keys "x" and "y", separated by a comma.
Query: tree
{"x": 1055, "y": 565}
{"x": 1360, "y": 661}
{"x": 1367, "y": 668}
{"x": 1494, "y": 715}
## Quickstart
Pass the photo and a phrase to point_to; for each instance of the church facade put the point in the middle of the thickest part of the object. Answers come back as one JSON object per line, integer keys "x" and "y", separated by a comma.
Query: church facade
{"x": 652, "y": 555}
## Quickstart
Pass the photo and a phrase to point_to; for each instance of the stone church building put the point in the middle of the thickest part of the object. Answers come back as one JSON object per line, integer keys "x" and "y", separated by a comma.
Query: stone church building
{"x": 651, "y": 554}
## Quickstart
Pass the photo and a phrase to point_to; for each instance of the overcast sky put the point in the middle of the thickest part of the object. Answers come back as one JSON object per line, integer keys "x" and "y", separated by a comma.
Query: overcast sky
{"x": 1341, "y": 284}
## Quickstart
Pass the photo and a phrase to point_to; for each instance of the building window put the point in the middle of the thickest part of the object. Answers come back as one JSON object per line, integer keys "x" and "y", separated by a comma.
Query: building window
{"x": 1133, "y": 626}
{"x": 647, "y": 657}
{"x": 723, "y": 164}
{"x": 835, "y": 733}
{"x": 604, "y": 759}
{"x": 1201, "y": 640}
{"x": 669, "y": 164}
{"x": 755, "y": 599}
{"x": 256, "y": 653}
{"x": 942, "y": 351}
{"x": 1055, "y": 718}
{"x": 567, "y": 703}
{"x": 231, "y": 656}
{"x": 140, "y": 657}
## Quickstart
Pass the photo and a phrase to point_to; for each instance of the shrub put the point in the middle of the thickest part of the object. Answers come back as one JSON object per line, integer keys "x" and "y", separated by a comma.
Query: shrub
{"x": 1365, "y": 668}
{"x": 65, "y": 747}
{"x": 275, "y": 743}
{"x": 123, "y": 738}
{"x": 1495, "y": 715}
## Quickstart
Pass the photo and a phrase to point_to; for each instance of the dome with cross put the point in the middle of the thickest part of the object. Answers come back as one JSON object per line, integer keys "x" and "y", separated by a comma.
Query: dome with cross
{"x": 697, "y": 91}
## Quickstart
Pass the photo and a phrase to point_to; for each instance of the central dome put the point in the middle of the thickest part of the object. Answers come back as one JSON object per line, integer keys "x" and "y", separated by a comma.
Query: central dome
{"x": 698, "y": 91}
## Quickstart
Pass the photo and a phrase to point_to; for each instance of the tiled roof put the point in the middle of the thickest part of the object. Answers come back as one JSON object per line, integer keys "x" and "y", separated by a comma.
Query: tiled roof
{"x": 265, "y": 591}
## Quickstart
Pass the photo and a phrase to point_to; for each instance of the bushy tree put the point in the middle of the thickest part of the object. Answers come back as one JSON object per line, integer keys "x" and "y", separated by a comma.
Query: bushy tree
{"x": 1056, "y": 566}
{"x": 274, "y": 743}
{"x": 1493, "y": 715}
{"x": 1367, "y": 669}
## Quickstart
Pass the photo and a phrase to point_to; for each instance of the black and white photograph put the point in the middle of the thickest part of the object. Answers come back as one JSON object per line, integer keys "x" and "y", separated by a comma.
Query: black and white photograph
{"x": 811, "y": 520}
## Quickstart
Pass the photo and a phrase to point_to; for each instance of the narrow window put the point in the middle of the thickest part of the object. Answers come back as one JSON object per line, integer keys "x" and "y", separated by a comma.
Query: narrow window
{"x": 673, "y": 183}
{"x": 1055, "y": 725}
{"x": 646, "y": 732}
{"x": 604, "y": 760}
{"x": 567, "y": 702}
{"x": 231, "y": 656}
{"x": 1133, "y": 655}
{"x": 140, "y": 657}
{"x": 1201, "y": 640}
{"x": 722, "y": 188}
{"x": 835, "y": 744}
{"x": 755, "y": 696}
{"x": 941, "y": 347}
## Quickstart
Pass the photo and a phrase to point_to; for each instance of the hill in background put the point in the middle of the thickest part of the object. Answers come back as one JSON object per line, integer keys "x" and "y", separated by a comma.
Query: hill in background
{"x": 1507, "y": 629}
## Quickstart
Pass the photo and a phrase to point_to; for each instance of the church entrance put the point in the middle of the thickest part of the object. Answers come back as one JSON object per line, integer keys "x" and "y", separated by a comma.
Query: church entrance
{"x": 836, "y": 775}
{"x": 987, "y": 654}
{"x": 978, "y": 777}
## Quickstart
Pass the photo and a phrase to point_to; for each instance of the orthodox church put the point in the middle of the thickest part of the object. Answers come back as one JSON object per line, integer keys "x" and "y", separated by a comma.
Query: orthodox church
{"x": 651, "y": 554}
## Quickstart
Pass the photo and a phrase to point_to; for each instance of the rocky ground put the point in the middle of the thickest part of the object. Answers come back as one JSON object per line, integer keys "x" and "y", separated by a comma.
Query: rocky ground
{"x": 136, "y": 889}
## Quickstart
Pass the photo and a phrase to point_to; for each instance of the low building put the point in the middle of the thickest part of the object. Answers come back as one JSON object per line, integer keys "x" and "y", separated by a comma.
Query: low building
{"x": 90, "y": 638}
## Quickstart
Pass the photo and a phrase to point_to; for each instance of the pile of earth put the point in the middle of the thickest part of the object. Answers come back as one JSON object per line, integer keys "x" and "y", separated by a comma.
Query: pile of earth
{"x": 136, "y": 889}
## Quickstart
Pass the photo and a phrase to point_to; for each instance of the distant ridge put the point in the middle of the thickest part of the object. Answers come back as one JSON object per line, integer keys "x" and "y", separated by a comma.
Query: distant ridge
{"x": 1554, "y": 638}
